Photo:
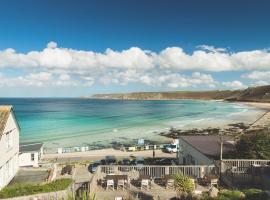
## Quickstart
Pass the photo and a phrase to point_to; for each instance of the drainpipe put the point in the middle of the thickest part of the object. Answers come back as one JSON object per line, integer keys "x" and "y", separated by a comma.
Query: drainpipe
{"x": 221, "y": 155}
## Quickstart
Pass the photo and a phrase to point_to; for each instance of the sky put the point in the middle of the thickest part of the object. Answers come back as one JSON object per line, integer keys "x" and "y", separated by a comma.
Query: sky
{"x": 60, "y": 48}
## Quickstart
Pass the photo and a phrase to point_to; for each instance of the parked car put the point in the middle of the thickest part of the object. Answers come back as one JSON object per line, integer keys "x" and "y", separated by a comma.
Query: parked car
{"x": 165, "y": 161}
{"x": 139, "y": 161}
{"x": 103, "y": 162}
{"x": 126, "y": 161}
{"x": 93, "y": 167}
{"x": 171, "y": 148}
{"x": 110, "y": 160}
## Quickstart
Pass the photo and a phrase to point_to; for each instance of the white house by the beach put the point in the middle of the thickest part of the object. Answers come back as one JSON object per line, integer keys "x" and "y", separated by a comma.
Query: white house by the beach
{"x": 30, "y": 154}
{"x": 201, "y": 149}
{"x": 9, "y": 145}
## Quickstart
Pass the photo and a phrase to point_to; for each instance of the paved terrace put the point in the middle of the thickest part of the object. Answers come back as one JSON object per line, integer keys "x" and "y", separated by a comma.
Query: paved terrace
{"x": 156, "y": 190}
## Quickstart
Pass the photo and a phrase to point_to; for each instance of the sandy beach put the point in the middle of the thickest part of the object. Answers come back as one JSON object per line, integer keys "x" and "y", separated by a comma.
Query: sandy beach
{"x": 263, "y": 119}
{"x": 100, "y": 154}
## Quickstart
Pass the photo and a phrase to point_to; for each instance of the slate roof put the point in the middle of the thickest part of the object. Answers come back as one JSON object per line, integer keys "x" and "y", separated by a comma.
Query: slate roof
{"x": 30, "y": 147}
{"x": 4, "y": 114}
{"x": 209, "y": 145}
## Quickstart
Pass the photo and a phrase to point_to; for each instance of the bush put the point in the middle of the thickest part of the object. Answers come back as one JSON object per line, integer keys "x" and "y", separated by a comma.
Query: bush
{"x": 183, "y": 184}
{"x": 231, "y": 195}
{"x": 255, "y": 194}
{"x": 249, "y": 194}
{"x": 29, "y": 189}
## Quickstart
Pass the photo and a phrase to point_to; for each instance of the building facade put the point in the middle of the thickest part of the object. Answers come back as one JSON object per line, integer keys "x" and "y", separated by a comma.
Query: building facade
{"x": 9, "y": 145}
{"x": 30, "y": 154}
{"x": 202, "y": 150}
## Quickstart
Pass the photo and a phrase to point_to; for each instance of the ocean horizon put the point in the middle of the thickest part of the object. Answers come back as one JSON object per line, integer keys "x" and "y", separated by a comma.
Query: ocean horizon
{"x": 70, "y": 122}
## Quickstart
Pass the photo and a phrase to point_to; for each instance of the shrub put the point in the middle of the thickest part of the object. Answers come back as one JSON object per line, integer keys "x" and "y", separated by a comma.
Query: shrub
{"x": 29, "y": 189}
{"x": 255, "y": 194}
{"x": 183, "y": 184}
{"x": 231, "y": 195}
{"x": 249, "y": 194}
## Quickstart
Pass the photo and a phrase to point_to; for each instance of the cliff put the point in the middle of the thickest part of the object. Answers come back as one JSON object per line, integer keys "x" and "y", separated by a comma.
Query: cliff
{"x": 254, "y": 94}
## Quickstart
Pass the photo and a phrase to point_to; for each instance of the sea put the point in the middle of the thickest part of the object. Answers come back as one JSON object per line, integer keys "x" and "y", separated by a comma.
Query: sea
{"x": 99, "y": 123}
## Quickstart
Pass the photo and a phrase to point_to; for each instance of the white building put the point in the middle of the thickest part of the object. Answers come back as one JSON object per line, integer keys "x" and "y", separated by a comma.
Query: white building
{"x": 30, "y": 154}
{"x": 9, "y": 145}
{"x": 202, "y": 150}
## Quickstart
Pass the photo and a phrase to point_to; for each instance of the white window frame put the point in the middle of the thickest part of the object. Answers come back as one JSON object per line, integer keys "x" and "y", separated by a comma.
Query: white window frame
{"x": 32, "y": 157}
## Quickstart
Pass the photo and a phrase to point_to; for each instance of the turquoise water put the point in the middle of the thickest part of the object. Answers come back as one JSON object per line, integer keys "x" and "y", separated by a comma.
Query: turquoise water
{"x": 71, "y": 122}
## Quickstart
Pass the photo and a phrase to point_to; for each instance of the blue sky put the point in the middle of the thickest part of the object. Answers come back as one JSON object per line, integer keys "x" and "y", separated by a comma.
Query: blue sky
{"x": 72, "y": 48}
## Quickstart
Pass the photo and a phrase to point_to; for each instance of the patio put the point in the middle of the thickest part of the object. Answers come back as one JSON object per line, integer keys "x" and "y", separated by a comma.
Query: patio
{"x": 30, "y": 176}
{"x": 145, "y": 182}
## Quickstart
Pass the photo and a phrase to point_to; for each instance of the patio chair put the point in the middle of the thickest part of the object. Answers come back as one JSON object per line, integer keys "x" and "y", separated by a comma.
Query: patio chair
{"x": 121, "y": 183}
{"x": 169, "y": 184}
{"x": 145, "y": 183}
{"x": 110, "y": 183}
{"x": 214, "y": 182}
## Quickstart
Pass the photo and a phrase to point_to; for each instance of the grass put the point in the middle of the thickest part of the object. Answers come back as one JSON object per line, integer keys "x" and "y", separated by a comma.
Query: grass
{"x": 29, "y": 189}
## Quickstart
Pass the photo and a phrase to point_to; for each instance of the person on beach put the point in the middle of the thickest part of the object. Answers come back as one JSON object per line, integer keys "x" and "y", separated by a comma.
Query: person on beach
{"x": 154, "y": 154}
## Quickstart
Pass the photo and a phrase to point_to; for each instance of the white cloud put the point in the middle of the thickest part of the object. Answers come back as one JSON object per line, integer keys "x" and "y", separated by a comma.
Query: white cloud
{"x": 206, "y": 58}
{"x": 260, "y": 83}
{"x": 64, "y": 77}
{"x": 41, "y": 79}
{"x": 234, "y": 84}
{"x": 41, "y": 76}
{"x": 56, "y": 66}
{"x": 258, "y": 75}
{"x": 211, "y": 48}
{"x": 52, "y": 45}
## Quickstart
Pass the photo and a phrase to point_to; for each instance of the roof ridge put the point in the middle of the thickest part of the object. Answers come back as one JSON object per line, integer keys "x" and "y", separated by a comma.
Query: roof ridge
{"x": 5, "y": 111}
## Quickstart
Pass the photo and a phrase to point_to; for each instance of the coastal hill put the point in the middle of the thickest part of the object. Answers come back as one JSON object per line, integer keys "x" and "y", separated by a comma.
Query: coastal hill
{"x": 254, "y": 94}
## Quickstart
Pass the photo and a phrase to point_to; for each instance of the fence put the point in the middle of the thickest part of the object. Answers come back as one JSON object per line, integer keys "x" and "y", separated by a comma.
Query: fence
{"x": 197, "y": 171}
{"x": 239, "y": 173}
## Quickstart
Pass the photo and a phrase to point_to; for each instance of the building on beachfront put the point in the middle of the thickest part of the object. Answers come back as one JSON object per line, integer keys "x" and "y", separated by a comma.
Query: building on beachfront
{"x": 30, "y": 154}
{"x": 9, "y": 145}
{"x": 201, "y": 149}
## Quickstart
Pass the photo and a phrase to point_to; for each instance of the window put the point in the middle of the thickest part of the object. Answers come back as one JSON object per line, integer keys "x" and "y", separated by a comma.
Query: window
{"x": 9, "y": 143}
{"x": 32, "y": 157}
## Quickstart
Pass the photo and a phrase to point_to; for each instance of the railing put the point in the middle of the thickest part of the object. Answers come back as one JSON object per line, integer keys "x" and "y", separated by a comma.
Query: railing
{"x": 238, "y": 173}
{"x": 243, "y": 163}
{"x": 158, "y": 171}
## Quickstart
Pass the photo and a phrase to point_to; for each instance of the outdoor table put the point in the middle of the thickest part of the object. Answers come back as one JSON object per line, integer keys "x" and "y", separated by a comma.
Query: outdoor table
{"x": 145, "y": 177}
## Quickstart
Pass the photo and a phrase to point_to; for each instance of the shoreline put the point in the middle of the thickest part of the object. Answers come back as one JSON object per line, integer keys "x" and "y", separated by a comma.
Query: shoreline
{"x": 262, "y": 119}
